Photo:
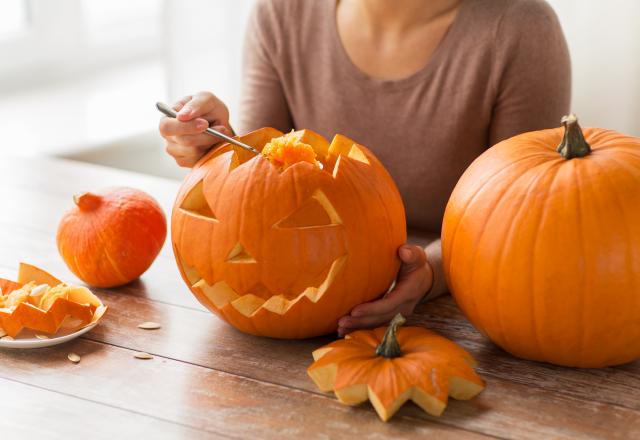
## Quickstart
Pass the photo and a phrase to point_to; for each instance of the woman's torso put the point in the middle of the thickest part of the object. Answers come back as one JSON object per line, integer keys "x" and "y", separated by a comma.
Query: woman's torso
{"x": 426, "y": 128}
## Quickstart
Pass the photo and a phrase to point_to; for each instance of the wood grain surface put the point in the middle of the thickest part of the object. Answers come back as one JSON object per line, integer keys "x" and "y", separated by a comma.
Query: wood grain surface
{"x": 207, "y": 380}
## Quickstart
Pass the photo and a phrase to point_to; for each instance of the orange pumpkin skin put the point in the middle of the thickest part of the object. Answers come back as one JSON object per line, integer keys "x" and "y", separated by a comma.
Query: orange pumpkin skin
{"x": 111, "y": 237}
{"x": 542, "y": 253}
{"x": 286, "y": 252}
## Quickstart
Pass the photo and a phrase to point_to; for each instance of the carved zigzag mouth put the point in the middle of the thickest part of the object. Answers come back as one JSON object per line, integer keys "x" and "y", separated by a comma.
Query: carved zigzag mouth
{"x": 221, "y": 294}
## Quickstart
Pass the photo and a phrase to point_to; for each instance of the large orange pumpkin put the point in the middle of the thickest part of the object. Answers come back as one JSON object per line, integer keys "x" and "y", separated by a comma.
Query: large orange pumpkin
{"x": 541, "y": 245}
{"x": 284, "y": 251}
{"x": 111, "y": 237}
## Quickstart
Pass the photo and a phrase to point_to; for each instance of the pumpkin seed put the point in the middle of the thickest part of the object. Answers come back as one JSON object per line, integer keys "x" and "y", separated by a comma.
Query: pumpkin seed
{"x": 73, "y": 358}
{"x": 149, "y": 325}
{"x": 42, "y": 336}
{"x": 39, "y": 289}
{"x": 2, "y": 333}
{"x": 143, "y": 355}
{"x": 7, "y": 338}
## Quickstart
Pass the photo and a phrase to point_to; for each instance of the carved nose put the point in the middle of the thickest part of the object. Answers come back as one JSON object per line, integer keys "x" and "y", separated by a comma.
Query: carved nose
{"x": 239, "y": 255}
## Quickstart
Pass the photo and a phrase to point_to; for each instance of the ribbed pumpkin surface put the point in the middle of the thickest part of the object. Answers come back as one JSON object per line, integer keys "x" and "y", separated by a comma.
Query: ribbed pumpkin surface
{"x": 542, "y": 253}
{"x": 286, "y": 252}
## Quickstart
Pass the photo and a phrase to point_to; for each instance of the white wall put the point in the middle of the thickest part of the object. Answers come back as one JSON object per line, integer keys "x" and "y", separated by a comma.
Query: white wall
{"x": 204, "y": 40}
{"x": 604, "y": 39}
{"x": 204, "y": 43}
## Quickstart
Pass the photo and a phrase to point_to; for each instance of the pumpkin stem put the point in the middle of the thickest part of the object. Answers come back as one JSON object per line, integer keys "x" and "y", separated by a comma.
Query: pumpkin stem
{"x": 389, "y": 346}
{"x": 87, "y": 201}
{"x": 573, "y": 143}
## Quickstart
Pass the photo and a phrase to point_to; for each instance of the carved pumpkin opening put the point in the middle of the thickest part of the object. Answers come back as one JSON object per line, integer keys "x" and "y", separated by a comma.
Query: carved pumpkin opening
{"x": 289, "y": 149}
{"x": 195, "y": 203}
{"x": 221, "y": 294}
{"x": 239, "y": 255}
{"x": 356, "y": 153}
{"x": 190, "y": 272}
{"x": 314, "y": 212}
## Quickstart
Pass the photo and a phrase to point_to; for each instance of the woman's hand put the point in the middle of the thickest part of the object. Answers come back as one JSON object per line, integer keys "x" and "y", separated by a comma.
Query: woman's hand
{"x": 186, "y": 140}
{"x": 415, "y": 278}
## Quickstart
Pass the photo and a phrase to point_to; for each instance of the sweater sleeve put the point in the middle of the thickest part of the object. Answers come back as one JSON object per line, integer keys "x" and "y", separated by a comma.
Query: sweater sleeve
{"x": 263, "y": 102}
{"x": 534, "y": 89}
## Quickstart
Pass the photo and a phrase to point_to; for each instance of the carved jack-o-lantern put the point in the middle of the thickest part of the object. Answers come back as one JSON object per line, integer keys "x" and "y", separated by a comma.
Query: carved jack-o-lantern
{"x": 286, "y": 252}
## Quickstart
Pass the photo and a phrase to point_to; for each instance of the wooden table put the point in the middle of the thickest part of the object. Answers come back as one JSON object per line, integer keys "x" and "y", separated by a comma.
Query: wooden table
{"x": 207, "y": 380}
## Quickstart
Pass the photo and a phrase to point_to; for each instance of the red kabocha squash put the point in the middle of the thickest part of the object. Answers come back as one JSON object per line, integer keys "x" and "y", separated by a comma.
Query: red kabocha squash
{"x": 38, "y": 301}
{"x": 541, "y": 245}
{"x": 111, "y": 237}
{"x": 389, "y": 367}
{"x": 284, "y": 243}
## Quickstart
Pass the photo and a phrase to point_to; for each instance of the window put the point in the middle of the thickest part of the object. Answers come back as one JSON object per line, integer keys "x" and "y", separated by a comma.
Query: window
{"x": 13, "y": 17}
{"x": 71, "y": 65}
{"x": 48, "y": 40}
{"x": 121, "y": 20}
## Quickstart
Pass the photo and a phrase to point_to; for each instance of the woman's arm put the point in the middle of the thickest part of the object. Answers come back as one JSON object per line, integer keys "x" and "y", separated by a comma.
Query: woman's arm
{"x": 535, "y": 85}
{"x": 433, "y": 252}
{"x": 263, "y": 102}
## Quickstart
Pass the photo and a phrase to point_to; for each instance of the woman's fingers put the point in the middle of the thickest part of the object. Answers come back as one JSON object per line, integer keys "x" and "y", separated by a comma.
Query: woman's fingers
{"x": 402, "y": 299}
{"x": 172, "y": 127}
{"x": 412, "y": 257}
{"x": 349, "y": 323}
{"x": 384, "y": 305}
{"x": 180, "y": 103}
{"x": 186, "y": 141}
{"x": 414, "y": 280}
{"x": 202, "y": 140}
{"x": 196, "y": 140}
{"x": 184, "y": 156}
{"x": 204, "y": 105}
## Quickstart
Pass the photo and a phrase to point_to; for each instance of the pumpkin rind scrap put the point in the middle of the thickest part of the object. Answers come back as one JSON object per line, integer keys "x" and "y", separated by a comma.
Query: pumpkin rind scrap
{"x": 429, "y": 369}
{"x": 284, "y": 251}
{"x": 541, "y": 245}
{"x": 58, "y": 305}
{"x": 111, "y": 237}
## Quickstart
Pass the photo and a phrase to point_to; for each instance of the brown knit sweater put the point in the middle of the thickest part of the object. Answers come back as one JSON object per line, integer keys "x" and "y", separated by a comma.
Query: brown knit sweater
{"x": 501, "y": 69}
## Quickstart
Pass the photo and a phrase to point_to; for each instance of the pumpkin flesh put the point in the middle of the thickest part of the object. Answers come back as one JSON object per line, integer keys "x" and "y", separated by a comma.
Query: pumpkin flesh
{"x": 40, "y": 302}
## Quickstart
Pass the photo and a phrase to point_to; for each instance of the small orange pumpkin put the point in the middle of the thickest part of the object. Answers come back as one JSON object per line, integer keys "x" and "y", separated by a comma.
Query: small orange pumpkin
{"x": 40, "y": 302}
{"x": 284, "y": 243}
{"x": 541, "y": 245}
{"x": 391, "y": 366}
{"x": 111, "y": 237}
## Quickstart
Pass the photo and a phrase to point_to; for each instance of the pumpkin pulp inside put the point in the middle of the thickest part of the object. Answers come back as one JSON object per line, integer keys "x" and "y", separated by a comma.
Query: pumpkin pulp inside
{"x": 286, "y": 150}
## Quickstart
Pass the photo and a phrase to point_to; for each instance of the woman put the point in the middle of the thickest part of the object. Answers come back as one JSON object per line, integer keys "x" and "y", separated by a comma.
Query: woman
{"x": 426, "y": 85}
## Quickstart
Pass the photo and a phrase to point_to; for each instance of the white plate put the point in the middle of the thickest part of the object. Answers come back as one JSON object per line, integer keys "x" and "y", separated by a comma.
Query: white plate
{"x": 27, "y": 338}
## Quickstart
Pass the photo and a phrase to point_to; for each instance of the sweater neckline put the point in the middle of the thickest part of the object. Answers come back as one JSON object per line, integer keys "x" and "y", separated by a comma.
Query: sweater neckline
{"x": 364, "y": 79}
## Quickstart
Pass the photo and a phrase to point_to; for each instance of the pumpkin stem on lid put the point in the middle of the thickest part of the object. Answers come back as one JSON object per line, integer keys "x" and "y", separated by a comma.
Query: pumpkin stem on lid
{"x": 87, "y": 201}
{"x": 573, "y": 143}
{"x": 389, "y": 346}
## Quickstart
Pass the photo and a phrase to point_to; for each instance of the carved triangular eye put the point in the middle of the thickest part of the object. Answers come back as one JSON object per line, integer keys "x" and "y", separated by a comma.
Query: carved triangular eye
{"x": 239, "y": 255}
{"x": 315, "y": 211}
{"x": 196, "y": 203}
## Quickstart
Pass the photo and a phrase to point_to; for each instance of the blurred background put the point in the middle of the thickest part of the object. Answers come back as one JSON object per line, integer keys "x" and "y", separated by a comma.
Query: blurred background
{"x": 79, "y": 78}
